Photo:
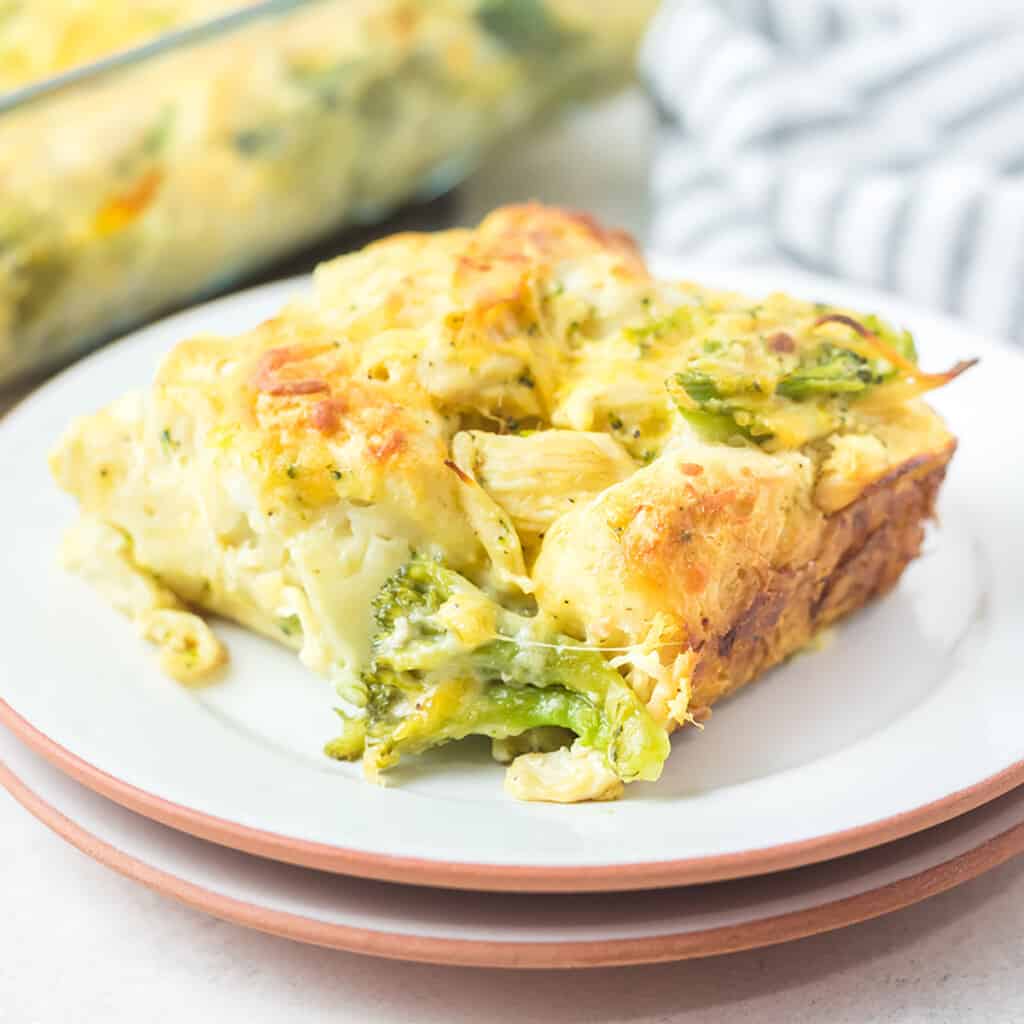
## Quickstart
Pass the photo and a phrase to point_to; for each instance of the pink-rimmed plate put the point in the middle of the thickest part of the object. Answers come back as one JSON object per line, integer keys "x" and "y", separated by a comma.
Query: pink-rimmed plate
{"x": 501, "y": 930}
{"x": 910, "y": 717}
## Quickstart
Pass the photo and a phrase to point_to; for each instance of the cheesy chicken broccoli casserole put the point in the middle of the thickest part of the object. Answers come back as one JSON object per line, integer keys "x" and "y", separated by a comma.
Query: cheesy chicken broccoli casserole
{"x": 179, "y": 171}
{"x": 504, "y": 482}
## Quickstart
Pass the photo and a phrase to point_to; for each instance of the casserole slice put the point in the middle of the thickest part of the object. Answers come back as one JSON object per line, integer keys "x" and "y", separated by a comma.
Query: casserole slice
{"x": 503, "y": 482}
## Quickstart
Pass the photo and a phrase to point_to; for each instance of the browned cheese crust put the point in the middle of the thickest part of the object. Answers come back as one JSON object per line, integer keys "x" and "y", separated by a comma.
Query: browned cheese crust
{"x": 863, "y": 551}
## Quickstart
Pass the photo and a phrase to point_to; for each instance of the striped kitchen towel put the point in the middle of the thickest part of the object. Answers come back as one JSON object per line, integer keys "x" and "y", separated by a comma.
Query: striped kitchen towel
{"x": 876, "y": 140}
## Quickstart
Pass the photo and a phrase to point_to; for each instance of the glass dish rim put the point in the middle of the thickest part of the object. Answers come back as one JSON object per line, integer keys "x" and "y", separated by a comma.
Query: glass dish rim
{"x": 167, "y": 42}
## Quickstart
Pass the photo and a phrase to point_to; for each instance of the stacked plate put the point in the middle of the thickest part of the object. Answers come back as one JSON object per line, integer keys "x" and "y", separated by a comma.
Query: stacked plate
{"x": 851, "y": 782}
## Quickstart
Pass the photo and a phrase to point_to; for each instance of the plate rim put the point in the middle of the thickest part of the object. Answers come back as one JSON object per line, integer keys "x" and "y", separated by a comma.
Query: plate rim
{"x": 485, "y": 877}
{"x": 533, "y": 954}
{"x": 498, "y": 877}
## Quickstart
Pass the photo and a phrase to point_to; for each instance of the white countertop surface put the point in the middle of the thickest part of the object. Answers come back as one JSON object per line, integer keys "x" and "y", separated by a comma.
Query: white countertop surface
{"x": 81, "y": 944}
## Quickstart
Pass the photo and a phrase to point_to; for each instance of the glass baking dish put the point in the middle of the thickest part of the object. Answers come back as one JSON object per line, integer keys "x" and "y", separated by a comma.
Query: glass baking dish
{"x": 167, "y": 171}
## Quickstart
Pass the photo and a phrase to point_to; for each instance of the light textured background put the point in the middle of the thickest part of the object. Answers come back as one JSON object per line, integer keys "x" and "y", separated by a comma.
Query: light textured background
{"x": 79, "y": 944}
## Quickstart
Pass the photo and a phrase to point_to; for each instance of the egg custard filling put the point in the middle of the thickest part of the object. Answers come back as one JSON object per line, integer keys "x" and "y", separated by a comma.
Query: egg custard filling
{"x": 503, "y": 482}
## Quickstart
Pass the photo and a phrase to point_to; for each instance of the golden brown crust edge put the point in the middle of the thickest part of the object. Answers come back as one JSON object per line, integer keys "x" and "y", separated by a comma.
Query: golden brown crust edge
{"x": 864, "y": 549}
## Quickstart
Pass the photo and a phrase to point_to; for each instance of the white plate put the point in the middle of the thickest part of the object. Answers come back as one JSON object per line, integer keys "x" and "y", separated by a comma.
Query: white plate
{"x": 912, "y": 715}
{"x": 486, "y": 929}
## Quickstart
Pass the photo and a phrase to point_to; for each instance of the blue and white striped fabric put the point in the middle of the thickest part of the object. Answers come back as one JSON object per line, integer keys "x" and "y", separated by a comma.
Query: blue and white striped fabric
{"x": 877, "y": 141}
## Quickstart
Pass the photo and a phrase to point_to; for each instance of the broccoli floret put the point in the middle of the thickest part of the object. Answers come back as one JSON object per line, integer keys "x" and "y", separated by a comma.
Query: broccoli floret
{"x": 419, "y": 588}
{"x": 449, "y": 662}
{"x": 404, "y": 613}
{"x": 717, "y": 414}
{"x": 828, "y": 370}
